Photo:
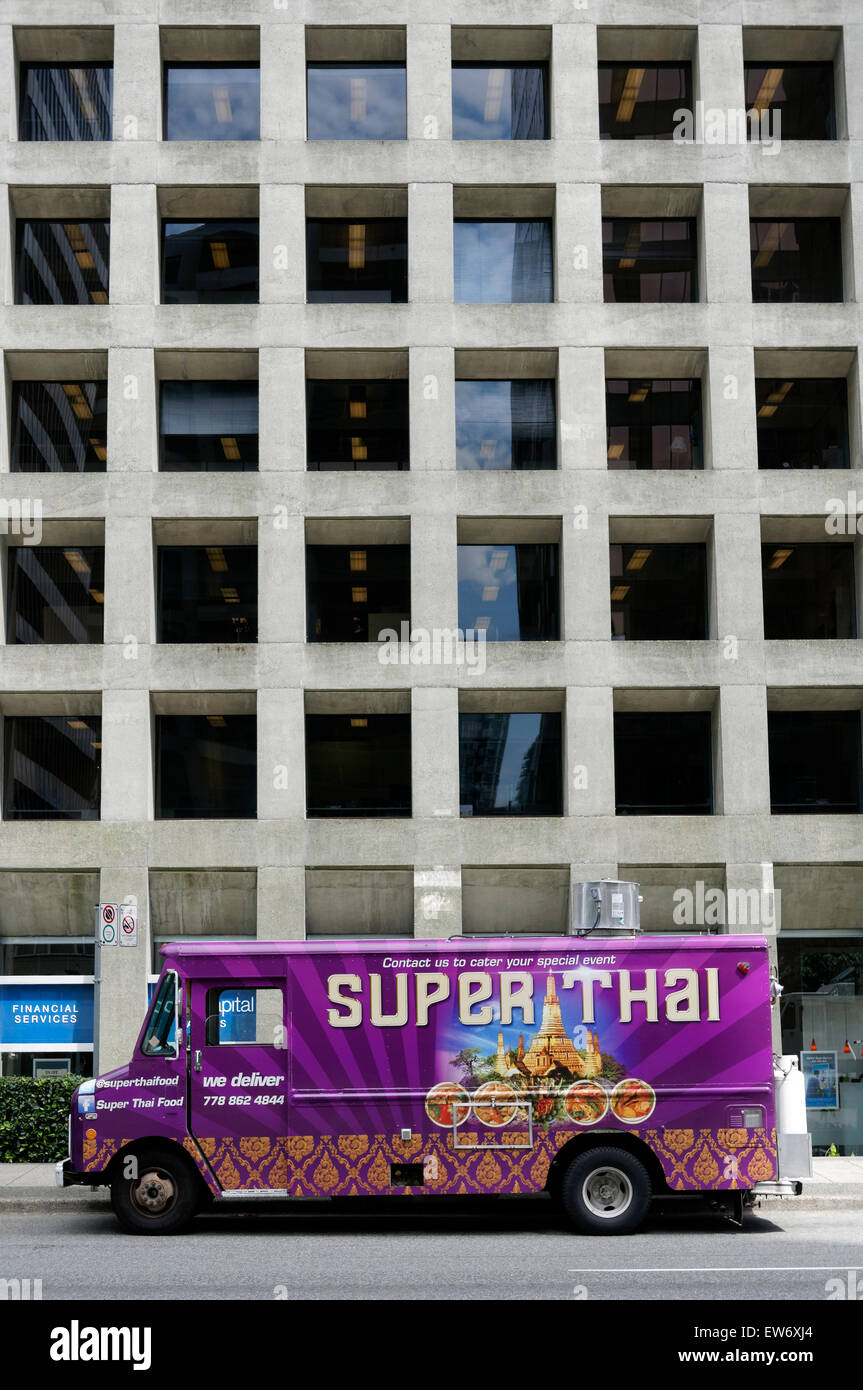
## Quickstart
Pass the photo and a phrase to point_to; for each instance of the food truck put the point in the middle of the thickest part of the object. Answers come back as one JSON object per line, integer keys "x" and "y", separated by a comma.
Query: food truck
{"x": 607, "y": 1071}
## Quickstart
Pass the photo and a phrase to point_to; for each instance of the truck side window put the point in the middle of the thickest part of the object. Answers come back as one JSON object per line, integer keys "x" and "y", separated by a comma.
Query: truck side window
{"x": 245, "y": 1014}
{"x": 160, "y": 1036}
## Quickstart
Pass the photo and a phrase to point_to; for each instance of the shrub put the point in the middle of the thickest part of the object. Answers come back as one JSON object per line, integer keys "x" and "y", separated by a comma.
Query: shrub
{"x": 34, "y": 1118}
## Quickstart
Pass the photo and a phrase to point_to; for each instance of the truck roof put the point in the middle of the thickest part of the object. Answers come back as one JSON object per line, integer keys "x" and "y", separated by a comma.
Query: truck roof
{"x": 413, "y": 948}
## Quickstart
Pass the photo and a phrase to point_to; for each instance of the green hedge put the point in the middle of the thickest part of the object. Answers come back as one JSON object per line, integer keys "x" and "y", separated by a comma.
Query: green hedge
{"x": 34, "y": 1118}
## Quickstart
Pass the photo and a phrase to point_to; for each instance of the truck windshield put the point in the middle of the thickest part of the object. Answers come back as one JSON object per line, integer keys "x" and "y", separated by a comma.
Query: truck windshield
{"x": 160, "y": 1038}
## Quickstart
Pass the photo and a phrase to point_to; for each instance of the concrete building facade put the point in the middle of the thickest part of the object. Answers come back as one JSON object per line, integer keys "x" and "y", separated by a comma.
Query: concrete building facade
{"x": 436, "y": 872}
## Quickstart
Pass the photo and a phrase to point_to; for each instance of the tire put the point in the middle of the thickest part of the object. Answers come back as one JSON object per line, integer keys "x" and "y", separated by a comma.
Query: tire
{"x": 161, "y": 1200}
{"x": 606, "y": 1192}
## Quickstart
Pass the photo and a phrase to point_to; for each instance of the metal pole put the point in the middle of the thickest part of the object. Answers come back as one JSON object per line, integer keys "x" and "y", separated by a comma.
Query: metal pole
{"x": 97, "y": 987}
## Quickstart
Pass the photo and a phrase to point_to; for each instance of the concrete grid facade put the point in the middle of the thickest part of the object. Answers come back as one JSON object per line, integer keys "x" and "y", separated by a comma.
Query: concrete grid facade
{"x": 730, "y": 504}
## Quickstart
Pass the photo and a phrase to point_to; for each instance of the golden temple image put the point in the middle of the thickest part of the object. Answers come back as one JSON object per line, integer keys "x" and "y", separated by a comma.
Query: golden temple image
{"x": 552, "y": 1047}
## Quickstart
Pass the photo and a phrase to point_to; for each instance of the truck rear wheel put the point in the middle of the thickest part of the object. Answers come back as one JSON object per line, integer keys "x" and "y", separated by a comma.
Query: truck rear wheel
{"x": 606, "y": 1191}
{"x": 160, "y": 1199}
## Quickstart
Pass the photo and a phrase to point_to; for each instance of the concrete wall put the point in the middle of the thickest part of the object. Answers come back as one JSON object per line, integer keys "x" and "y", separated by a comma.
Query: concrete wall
{"x": 723, "y": 332}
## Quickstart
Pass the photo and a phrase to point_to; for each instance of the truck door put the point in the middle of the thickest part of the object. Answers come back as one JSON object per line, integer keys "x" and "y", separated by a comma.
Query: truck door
{"x": 237, "y": 1079}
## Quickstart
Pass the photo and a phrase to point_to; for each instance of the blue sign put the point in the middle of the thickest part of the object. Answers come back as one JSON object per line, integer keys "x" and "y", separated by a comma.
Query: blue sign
{"x": 822, "y": 1080}
{"x": 32, "y": 1015}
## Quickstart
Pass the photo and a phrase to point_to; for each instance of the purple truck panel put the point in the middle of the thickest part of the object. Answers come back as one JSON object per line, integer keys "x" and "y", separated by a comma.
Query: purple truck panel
{"x": 493, "y": 1054}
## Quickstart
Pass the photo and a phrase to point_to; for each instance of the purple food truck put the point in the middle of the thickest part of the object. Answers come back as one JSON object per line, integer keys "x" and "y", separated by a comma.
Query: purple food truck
{"x": 608, "y": 1071}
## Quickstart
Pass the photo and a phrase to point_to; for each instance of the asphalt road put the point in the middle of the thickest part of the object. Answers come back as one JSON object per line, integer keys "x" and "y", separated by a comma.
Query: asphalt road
{"x": 403, "y": 1249}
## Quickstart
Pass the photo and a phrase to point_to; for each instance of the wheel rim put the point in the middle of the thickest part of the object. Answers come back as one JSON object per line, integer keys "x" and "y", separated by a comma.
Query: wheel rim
{"x": 607, "y": 1192}
{"x": 155, "y": 1193}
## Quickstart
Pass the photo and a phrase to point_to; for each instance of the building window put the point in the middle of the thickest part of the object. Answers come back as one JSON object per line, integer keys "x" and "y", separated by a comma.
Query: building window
{"x": 503, "y": 262}
{"x": 653, "y": 423}
{"x": 206, "y": 767}
{"x": 663, "y": 763}
{"x": 639, "y": 102}
{"x": 356, "y": 101}
{"x": 208, "y": 426}
{"x": 357, "y": 262}
{"x": 214, "y": 262}
{"x": 358, "y": 765}
{"x": 649, "y": 261}
{"x": 822, "y": 997}
{"x": 354, "y": 593}
{"x": 59, "y": 427}
{"x": 510, "y": 764}
{"x": 52, "y": 767}
{"x": 208, "y": 593}
{"x": 798, "y": 261}
{"x": 659, "y": 592}
{"x": 500, "y": 101}
{"x": 814, "y": 761}
{"x": 65, "y": 101}
{"x": 55, "y": 594}
{"x": 802, "y": 423}
{"x": 46, "y": 956}
{"x": 809, "y": 590}
{"x": 505, "y": 426}
{"x": 60, "y": 262}
{"x": 510, "y": 592}
{"x": 212, "y": 101}
{"x": 357, "y": 426}
{"x": 800, "y": 95}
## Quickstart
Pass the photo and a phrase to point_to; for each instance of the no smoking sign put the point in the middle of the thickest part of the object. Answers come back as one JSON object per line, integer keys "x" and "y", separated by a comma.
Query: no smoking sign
{"x": 128, "y": 926}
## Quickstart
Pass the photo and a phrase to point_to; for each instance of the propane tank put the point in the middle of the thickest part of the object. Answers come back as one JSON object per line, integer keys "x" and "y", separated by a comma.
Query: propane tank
{"x": 790, "y": 1092}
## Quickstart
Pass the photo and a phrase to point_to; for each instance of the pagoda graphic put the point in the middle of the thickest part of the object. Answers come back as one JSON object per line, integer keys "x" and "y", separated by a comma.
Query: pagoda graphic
{"x": 552, "y": 1048}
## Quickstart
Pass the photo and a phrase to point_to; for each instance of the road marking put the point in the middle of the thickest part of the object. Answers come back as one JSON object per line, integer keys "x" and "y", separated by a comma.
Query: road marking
{"x": 719, "y": 1269}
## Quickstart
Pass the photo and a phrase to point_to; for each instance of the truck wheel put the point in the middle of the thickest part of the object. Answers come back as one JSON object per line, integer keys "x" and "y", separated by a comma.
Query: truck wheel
{"x": 161, "y": 1200}
{"x": 606, "y": 1192}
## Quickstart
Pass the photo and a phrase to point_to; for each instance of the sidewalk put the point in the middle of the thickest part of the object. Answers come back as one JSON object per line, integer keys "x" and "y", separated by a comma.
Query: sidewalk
{"x": 836, "y": 1182}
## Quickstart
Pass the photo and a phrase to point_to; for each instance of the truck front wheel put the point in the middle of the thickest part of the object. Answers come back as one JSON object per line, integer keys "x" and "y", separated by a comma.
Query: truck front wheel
{"x": 606, "y": 1192}
{"x": 160, "y": 1199}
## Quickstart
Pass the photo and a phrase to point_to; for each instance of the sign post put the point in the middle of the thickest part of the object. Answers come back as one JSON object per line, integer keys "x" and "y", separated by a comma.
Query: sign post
{"x": 105, "y": 935}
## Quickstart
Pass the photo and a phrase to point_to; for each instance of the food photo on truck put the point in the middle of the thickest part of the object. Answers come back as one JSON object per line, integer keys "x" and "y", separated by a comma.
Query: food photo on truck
{"x": 609, "y": 1068}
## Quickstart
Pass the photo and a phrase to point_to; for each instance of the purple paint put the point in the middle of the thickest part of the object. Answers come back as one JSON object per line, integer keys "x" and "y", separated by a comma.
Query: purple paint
{"x": 493, "y": 1054}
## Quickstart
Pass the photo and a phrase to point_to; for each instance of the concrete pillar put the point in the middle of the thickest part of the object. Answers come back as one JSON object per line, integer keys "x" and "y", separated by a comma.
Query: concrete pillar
{"x": 730, "y": 431}
{"x": 8, "y": 114}
{"x": 133, "y": 411}
{"x": 281, "y": 579}
{"x": 741, "y": 768}
{"x": 282, "y": 244}
{"x": 585, "y": 570}
{"x": 137, "y": 82}
{"x": 734, "y": 553}
{"x": 725, "y": 269}
{"x": 435, "y": 753}
{"x": 127, "y": 757}
{"x": 850, "y": 122}
{"x": 430, "y": 243}
{"x": 429, "y": 82}
{"x": 283, "y": 76}
{"x": 7, "y": 247}
{"x": 574, "y": 105}
{"x": 281, "y": 903}
{"x": 434, "y": 570}
{"x": 718, "y": 68}
{"x": 130, "y": 585}
{"x": 437, "y": 901}
{"x": 589, "y": 752}
{"x": 282, "y": 410}
{"x": 122, "y": 994}
{"x": 431, "y": 394}
{"x": 281, "y": 755}
{"x": 581, "y": 408}
{"x": 135, "y": 245}
{"x": 578, "y": 243}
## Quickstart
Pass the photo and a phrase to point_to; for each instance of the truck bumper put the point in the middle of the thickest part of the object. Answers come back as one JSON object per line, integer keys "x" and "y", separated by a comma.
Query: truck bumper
{"x": 66, "y": 1176}
{"x": 779, "y": 1187}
